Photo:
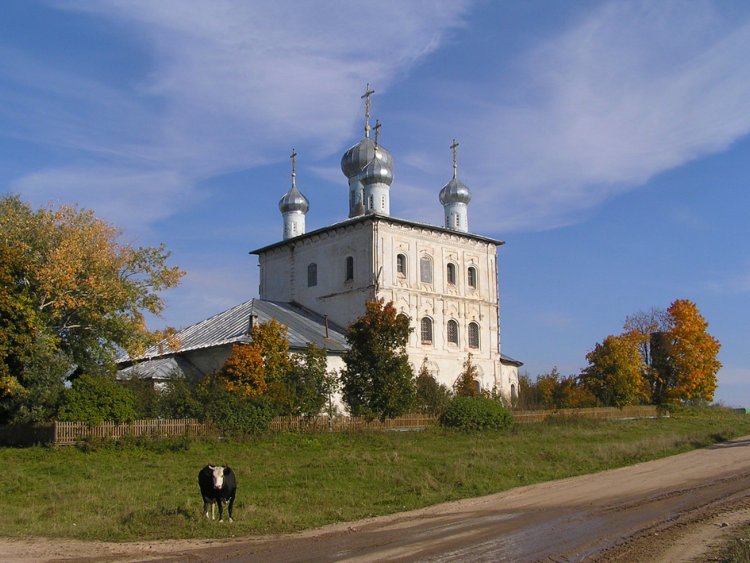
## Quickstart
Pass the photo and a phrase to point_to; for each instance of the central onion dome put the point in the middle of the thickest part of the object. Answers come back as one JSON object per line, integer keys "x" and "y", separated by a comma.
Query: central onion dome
{"x": 293, "y": 200}
{"x": 368, "y": 162}
{"x": 455, "y": 191}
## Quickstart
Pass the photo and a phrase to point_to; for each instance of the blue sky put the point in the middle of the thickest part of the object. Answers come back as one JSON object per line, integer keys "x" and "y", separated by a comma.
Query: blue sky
{"x": 606, "y": 142}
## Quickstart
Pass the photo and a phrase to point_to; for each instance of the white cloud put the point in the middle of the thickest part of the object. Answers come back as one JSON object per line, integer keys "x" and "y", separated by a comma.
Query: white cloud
{"x": 630, "y": 91}
{"x": 231, "y": 85}
{"x": 128, "y": 198}
{"x": 731, "y": 285}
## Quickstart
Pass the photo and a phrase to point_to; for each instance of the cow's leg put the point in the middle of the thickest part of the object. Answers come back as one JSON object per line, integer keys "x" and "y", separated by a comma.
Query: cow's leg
{"x": 205, "y": 508}
{"x": 229, "y": 508}
{"x": 213, "y": 511}
{"x": 221, "y": 509}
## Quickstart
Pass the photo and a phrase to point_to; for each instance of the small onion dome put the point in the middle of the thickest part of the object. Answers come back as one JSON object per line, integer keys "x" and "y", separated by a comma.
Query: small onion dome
{"x": 455, "y": 191}
{"x": 379, "y": 170}
{"x": 293, "y": 200}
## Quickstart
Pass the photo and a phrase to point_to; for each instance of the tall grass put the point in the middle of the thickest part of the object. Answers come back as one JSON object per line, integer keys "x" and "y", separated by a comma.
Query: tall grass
{"x": 148, "y": 490}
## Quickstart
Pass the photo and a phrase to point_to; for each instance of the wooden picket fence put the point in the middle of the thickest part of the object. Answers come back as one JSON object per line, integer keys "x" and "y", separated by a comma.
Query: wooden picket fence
{"x": 609, "y": 413}
{"x": 67, "y": 433}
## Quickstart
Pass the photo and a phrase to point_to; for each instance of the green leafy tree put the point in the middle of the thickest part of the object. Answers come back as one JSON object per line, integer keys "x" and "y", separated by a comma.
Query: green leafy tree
{"x": 305, "y": 384}
{"x": 94, "y": 399}
{"x": 70, "y": 291}
{"x": 615, "y": 371}
{"x": 432, "y": 397}
{"x": 378, "y": 380}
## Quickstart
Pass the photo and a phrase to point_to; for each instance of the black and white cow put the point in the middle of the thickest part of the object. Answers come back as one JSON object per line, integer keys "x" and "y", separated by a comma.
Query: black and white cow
{"x": 217, "y": 485}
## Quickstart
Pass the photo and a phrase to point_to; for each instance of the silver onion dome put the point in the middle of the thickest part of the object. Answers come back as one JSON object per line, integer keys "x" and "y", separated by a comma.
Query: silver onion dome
{"x": 379, "y": 170}
{"x": 293, "y": 200}
{"x": 455, "y": 191}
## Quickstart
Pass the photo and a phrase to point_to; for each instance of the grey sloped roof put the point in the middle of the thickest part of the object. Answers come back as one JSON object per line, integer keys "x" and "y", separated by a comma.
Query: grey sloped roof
{"x": 303, "y": 327}
{"x": 508, "y": 360}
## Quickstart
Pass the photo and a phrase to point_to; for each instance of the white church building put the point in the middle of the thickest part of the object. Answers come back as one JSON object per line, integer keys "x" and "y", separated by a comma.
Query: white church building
{"x": 443, "y": 278}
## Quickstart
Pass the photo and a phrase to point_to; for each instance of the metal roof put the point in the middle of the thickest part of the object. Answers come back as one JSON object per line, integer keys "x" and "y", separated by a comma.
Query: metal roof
{"x": 376, "y": 217}
{"x": 233, "y": 325}
{"x": 508, "y": 360}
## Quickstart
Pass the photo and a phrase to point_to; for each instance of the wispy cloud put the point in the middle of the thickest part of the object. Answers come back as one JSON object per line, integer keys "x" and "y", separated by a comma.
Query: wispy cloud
{"x": 630, "y": 91}
{"x": 231, "y": 85}
{"x": 731, "y": 285}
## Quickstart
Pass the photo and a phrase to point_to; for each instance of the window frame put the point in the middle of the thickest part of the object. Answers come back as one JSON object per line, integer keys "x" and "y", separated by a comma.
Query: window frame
{"x": 426, "y": 333}
{"x": 473, "y": 336}
{"x": 472, "y": 277}
{"x": 349, "y": 269}
{"x": 401, "y": 265}
{"x": 312, "y": 274}
{"x": 450, "y": 273}
{"x": 454, "y": 324}
{"x": 425, "y": 266}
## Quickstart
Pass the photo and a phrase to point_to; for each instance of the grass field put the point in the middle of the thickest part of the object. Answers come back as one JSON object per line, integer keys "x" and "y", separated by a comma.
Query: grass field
{"x": 288, "y": 482}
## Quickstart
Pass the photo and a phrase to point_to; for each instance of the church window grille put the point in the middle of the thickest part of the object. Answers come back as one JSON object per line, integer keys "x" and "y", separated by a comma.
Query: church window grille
{"x": 425, "y": 269}
{"x": 382, "y": 202}
{"x": 426, "y": 330}
{"x": 370, "y": 202}
{"x": 458, "y": 220}
{"x": 401, "y": 265}
{"x": 349, "y": 268}
{"x": 473, "y": 335}
{"x": 472, "y": 277}
{"x": 452, "y": 332}
{"x": 312, "y": 274}
{"x": 451, "y": 273}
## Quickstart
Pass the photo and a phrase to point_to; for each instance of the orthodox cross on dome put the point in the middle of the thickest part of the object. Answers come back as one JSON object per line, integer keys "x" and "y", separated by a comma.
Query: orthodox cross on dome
{"x": 377, "y": 130}
{"x": 368, "y": 92}
{"x": 293, "y": 156}
{"x": 454, "y": 148}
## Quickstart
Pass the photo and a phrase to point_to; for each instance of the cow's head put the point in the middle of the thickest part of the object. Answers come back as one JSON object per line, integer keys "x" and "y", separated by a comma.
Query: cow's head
{"x": 218, "y": 475}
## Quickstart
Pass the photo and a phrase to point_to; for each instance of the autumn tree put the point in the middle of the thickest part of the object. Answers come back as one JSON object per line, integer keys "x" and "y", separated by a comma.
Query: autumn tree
{"x": 378, "y": 380}
{"x": 260, "y": 366}
{"x": 72, "y": 292}
{"x": 686, "y": 362}
{"x": 677, "y": 357}
{"x": 615, "y": 371}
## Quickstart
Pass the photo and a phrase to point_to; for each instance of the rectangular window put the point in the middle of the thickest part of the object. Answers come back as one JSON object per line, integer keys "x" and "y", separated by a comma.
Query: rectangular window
{"x": 401, "y": 264}
{"x": 349, "y": 268}
{"x": 312, "y": 275}
{"x": 425, "y": 269}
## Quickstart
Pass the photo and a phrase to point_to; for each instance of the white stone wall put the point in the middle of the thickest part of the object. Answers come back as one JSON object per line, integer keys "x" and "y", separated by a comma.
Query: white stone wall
{"x": 374, "y": 245}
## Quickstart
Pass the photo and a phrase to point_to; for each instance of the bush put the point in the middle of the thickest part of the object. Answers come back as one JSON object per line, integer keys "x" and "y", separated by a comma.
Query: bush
{"x": 476, "y": 413}
{"x": 94, "y": 399}
{"x": 232, "y": 413}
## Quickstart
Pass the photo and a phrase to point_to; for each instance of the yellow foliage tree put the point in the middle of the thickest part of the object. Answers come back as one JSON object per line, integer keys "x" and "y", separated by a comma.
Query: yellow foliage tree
{"x": 259, "y": 367}
{"x": 692, "y": 352}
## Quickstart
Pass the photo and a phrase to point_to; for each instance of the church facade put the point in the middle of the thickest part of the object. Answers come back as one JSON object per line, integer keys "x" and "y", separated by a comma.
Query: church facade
{"x": 444, "y": 279}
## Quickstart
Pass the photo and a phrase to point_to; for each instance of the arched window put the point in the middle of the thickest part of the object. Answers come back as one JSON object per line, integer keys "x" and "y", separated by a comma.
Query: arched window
{"x": 513, "y": 392}
{"x": 425, "y": 269}
{"x": 349, "y": 268}
{"x": 452, "y": 332}
{"x": 426, "y": 330}
{"x": 312, "y": 274}
{"x": 401, "y": 265}
{"x": 473, "y": 335}
{"x": 450, "y": 273}
{"x": 472, "y": 277}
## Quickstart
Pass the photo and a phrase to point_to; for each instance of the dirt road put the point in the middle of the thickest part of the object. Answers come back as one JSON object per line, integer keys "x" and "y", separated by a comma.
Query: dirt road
{"x": 673, "y": 509}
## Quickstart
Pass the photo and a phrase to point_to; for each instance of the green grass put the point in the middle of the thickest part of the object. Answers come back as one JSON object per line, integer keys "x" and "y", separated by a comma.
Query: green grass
{"x": 289, "y": 482}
